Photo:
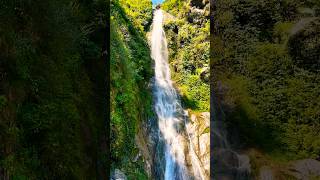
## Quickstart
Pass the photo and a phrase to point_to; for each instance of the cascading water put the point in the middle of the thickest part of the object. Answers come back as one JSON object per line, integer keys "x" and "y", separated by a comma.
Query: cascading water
{"x": 227, "y": 163}
{"x": 170, "y": 114}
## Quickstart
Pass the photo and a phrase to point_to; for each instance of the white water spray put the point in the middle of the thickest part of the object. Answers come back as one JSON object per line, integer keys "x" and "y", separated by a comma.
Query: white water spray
{"x": 171, "y": 118}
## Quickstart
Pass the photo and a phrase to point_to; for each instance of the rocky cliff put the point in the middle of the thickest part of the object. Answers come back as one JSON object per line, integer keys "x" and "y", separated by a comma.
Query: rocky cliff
{"x": 198, "y": 129}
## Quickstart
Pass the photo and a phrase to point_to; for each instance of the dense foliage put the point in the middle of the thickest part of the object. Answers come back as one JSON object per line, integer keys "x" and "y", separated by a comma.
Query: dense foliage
{"x": 187, "y": 29}
{"x": 131, "y": 100}
{"x": 266, "y": 71}
{"x": 52, "y": 89}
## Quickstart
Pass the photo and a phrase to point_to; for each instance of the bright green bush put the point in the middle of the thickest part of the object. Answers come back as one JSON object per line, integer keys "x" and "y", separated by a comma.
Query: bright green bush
{"x": 188, "y": 44}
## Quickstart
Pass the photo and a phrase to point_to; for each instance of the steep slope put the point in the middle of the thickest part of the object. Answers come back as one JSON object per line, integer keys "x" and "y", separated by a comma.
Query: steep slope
{"x": 52, "y": 89}
{"x": 131, "y": 100}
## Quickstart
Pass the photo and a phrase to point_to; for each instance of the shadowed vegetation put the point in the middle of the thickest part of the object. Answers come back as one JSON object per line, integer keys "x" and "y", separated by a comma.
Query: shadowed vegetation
{"x": 266, "y": 71}
{"x": 52, "y": 89}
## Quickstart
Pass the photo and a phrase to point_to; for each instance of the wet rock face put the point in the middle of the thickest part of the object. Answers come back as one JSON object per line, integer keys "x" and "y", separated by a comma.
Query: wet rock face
{"x": 150, "y": 148}
{"x": 231, "y": 165}
{"x": 118, "y": 175}
{"x": 228, "y": 163}
{"x": 198, "y": 129}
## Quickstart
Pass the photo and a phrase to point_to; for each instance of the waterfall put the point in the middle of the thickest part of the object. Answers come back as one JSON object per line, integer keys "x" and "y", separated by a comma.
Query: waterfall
{"x": 227, "y": 163}
{"x": 170, "y": 114}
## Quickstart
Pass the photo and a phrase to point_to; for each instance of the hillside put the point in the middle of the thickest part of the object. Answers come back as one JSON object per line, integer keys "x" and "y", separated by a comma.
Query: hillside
{"x": 266, "y": 77}
{"x": 131, "y": 71}
{"x": 52, "y": 90}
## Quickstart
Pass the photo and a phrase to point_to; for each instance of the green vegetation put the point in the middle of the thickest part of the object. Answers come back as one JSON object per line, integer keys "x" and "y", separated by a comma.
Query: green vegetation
{"x": 266, "y": 71}
{"x": 52, "y": 89}
{"x": 131, "y": 99}
{"x": 187, "y": 30}
{"x": 140, "y": 13}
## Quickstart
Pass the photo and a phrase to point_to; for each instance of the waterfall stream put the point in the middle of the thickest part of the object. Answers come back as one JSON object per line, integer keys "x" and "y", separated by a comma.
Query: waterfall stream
{"x": 176, "y": 157}
{"x": 228, "y": 164}
{"x": 171, "y": 116}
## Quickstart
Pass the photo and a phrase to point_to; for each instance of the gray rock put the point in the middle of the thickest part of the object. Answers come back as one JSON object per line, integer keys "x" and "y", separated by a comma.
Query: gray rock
{"x": 118, "y": 175}
{"x": 200, "y": 139}
{"x": 305, "y": 169}
{"x": 265, "y": 173}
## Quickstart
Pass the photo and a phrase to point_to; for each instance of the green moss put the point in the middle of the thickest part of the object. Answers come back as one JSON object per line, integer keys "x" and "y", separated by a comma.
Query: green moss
{"x": 131, "y": 99}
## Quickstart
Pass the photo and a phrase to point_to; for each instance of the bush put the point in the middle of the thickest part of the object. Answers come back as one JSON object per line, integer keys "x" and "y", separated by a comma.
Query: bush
{"x": 304, "y": 46}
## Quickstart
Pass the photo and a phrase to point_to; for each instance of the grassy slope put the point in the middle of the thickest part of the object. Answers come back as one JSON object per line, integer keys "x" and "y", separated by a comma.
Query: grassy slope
{"x": 130, "y": 75}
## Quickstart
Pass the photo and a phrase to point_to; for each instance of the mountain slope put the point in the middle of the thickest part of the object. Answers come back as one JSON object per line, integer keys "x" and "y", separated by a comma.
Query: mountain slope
{"x": 266, "y": 73}
{"x": 131, "y": 100}
{"x": 52, "y": 90}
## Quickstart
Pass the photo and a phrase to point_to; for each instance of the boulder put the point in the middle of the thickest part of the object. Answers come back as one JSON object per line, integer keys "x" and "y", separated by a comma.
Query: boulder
{"x": 305, "y": 169}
